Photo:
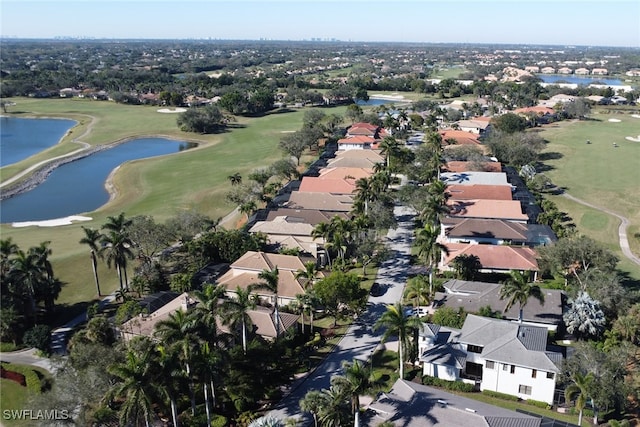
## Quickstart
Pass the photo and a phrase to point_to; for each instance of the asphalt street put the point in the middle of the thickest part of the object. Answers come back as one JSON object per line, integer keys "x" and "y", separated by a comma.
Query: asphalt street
{"x": 360, "y": 341}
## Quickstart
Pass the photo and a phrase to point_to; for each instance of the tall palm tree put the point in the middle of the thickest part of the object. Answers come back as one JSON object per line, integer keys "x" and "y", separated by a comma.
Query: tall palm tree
{"x": 341, "y": 234}
{"x": 27, "y": 275}
{"x": 270, "y": 280}
{"x": 169, "y": 377}
{"x": 518, "y": 289}
{"x": 579, "y": 390}
{"x": 207, "y": 310}
{"x": 116, "y": 250}
{"x": 92, "y": 238}
{"x": 136, "y": 386}
{"x": 356, "y": 380}
{"x": 322, "y": 231}
{"x": 396, "y": 322}
{"x": 389, "y": 147}
{"x": 118, "y": 223}
{"x": 418, "y": 290}
{"x": 310, "y": 273}
{"x": 247, "y": 208}
{"x": 7, "y": 250}
{"x": 335, "y": 412}
{"x": 180, "y": 329}
{"x": 314, "y": 402}
{"x": 236, "y": 312}
{"x": 235, "y": 179}
{"x": 429, "y": 249}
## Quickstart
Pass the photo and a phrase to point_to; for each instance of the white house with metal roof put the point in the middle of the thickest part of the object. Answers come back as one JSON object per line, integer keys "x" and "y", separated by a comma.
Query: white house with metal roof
{"x": 497, "y": 355}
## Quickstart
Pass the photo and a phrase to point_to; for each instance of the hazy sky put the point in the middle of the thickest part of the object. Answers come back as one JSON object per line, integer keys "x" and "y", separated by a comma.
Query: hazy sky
{"x": 557, "y": 22}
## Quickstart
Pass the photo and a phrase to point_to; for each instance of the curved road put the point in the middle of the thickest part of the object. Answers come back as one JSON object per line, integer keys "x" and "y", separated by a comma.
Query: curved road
{"x": 360, "y": 341}
{"x": 622, "y": 229}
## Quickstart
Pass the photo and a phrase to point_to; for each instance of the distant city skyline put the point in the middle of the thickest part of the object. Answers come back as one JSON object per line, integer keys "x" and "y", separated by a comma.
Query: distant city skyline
{"x": 542, "y": 22}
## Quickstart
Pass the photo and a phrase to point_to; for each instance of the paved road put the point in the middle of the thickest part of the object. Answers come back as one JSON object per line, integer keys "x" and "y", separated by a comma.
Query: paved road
{"x": 28, "y": 357}
{"x": 622, "y": 229}
{"x": 360, "y": 341}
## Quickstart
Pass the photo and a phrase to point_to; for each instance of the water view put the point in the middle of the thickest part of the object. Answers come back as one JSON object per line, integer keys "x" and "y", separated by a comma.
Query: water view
{"x": 582, "y": 80}
{"x": 380, "y": 101}
{"x": 79, "y": 186}
{"x": 22, "y": 138}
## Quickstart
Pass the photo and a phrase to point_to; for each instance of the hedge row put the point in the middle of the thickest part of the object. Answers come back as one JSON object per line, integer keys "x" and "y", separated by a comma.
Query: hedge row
{"x": 449, "y": 385}
{"x": 499, "y": 395}
{"x": 538, "y": 404}
{"x": 31, "y": 377}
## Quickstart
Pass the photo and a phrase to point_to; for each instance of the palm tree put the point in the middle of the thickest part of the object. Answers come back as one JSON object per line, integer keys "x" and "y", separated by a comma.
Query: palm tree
{"x": 314, "y": 402}
{"x": 236, "y": 312}
{"x": 418, "y": 290}
{"x": 207, "y": 310}
{"x": 429, "y": 249}
{"x": 466, "y": 266}
{"x": 118, "y": 223}
{"x": 335, "y": 412}
{"x": 248, "y": 208}
{"x": 340, "y": 237}
{"x": 396, "y": 322}
{"x": 389, "y": 147}
{"x": 365, "y": 192}
{"x": 136, "y": 386}
{"x": 115, "y": 250}
{"x": 270, "y": 279}
{"x": 356, "y": 380}
{"x": 518, "y": 289}
{"x": 180, "y": 329}
{"x": 169, "y": 377}
{"x": 92, "y": 238}
{"x": 309, "y": 273}
{"x": 235, "y": 179}
{"x": 7, "y": 250}
{"x": 27, "y": 275}
{"x": 579, "y": 390}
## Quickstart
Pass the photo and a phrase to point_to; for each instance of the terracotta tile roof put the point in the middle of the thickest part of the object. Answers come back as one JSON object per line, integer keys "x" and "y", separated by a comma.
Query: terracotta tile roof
{"x": 281, "y": 225}
{"x": 309, "y": 216}
{"x": 539, "y": 110}
{"x": 344, "y": 172}
{"x": 457, "y": 166}
{"x": 288, "y": 285}
{"x": 364, "y": 125}
{"x": 368, "y": 154}
{"x": 258, "y": 261}
{"x": 461, "y": 137}
{"x": 491, "y": 209}
{"x": 489, "y": 228}
{"x": 303, "y": 243}
{"x": 496, "y": 257}
{"x": 263, "y": 320}
{"x": 322, "y": 201}
{"x": 479, "y": 191}
{"x": 359, "y": 140}
{"x": 312, "y": 184}
{"x": 353, "y": 162}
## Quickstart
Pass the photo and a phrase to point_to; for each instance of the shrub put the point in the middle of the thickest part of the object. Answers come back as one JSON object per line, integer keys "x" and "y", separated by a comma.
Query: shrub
{"x": 499, "y": 395}
{"x": 218, "y": 420}
{"x": 32, "y": 379}
{"x": 448, "y": 385}
{"x": 39, "y": 337}
{"x": 538, "y": 404}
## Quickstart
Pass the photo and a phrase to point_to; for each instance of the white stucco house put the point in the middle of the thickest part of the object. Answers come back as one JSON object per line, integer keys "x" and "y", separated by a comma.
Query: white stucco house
{"x": 498, "y": 355}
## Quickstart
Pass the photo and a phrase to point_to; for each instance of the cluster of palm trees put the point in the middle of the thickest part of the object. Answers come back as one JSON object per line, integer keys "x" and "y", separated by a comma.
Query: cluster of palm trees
{"x": 114, "y": 245}
{"x": 26, "y": 279}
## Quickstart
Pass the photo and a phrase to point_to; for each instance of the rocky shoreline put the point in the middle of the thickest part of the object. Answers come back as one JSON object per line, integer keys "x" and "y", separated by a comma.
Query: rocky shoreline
{"x": 41, "y": 174}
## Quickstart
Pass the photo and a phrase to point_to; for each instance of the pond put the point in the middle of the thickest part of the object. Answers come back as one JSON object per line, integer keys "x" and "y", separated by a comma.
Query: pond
{"x": 79, "y": 186}
{"x": 381, "y": 101}
{"x": 22, "y": 138}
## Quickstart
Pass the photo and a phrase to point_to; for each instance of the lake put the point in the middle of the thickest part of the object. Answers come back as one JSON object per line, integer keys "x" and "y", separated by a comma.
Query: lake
{"x": 582, "y": 80}
{"x": 380, "y": 101}
{"x": 22, "y": 138}
{"x": 79, "y": 186}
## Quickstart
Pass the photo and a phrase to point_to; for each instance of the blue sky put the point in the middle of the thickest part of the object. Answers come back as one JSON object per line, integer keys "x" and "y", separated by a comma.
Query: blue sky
{"x": 548, "y": 22}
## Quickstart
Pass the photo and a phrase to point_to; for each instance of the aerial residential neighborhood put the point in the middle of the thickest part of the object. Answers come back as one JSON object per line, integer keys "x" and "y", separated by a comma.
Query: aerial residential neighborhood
{"x": 280, "y": 232}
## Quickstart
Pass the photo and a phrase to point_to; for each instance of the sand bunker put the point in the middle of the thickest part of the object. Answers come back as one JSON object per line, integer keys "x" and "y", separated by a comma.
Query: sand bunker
{"x": 615, "y": 120}
{"x": 632, "y": 139}
{"x": 172, "y": 110}
{"x": 636, "y": 116}
{"x": 52, "y": 222}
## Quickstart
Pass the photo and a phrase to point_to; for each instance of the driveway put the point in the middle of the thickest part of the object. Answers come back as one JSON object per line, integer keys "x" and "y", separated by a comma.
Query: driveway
{"x": 360, "y": 341}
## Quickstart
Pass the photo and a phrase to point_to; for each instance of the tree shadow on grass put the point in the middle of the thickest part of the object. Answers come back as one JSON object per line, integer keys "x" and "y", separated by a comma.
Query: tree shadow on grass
{"x": 628, "y": 282}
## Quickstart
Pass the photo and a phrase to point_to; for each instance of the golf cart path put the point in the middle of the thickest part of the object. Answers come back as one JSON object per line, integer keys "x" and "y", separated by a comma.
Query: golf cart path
{"x": 622, "y": 229}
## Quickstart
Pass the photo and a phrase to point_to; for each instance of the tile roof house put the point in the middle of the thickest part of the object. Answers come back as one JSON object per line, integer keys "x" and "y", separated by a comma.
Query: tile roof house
{"x": 495, "y": 232}
{"x": 475, "y": 126}
{"x": 313, "y": 184}
{"x": 371, "y": 156}
{"x": 290, "y": 234}
{"x": 472, "y": 296}
{"x": 309, "y": 216}
{"x": 498, "y": 355}
{"x": 345, "y": 173}
{"x": 244, "y": 272}
{"x": 459, "y": 137}
{"x": 321, "y": 201}
{"x": 414, "y": 405}
{"x": 459, "y": 166}
{"x": 509, "y": 210}
{"x": 362, "y": 136}
{"x": 537, "y": 110}
{"x": 358, "y": 142}
{"x": 471, "y": 178}
{"x": 479, "y": 191}
{"x": 494, "y": 258}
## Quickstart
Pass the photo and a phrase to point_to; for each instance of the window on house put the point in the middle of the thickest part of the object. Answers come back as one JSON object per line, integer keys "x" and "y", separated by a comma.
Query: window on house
{"x": 474, "y": 348}
{"x": 550, "y": 375}
{"x": 534, "y": 373}
{"x": 505, "y": 367}
{"x": 491, "y": 364}
{"x": 513, "y": 369}
{"x": 524, "y": 389}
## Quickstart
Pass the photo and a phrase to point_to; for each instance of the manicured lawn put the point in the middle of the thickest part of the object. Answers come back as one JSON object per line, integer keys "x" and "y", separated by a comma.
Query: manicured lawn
{"x": 598, "y": 173}
{"x": 161, "y": 187}
{"x": 15, "y": 397}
